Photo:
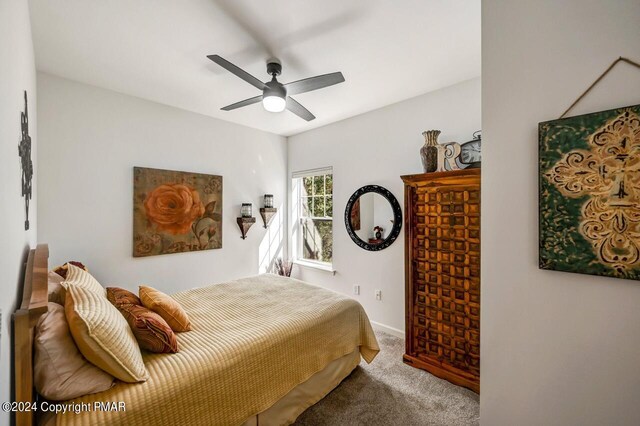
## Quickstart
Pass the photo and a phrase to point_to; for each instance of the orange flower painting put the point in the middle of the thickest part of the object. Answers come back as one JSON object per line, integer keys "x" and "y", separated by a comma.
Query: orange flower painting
{"x": 175, "y": 212}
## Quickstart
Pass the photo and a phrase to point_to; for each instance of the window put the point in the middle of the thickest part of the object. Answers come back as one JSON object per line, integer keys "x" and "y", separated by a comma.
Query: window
{"x": 313, "y": 215}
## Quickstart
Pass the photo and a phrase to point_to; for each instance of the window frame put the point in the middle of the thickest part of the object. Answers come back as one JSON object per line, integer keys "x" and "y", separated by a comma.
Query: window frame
{"x": 299, "y": 217}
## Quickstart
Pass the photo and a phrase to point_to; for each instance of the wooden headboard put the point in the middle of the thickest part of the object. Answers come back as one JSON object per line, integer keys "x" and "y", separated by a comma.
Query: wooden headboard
{"x": 33, "y": 305}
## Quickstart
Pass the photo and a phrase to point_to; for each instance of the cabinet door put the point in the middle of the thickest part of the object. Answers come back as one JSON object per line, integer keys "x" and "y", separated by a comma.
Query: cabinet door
{"x": 445, "y": 258}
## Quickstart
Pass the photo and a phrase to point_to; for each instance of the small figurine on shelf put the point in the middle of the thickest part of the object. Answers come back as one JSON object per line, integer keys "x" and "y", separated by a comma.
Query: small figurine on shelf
{"x": 377, "y": 232}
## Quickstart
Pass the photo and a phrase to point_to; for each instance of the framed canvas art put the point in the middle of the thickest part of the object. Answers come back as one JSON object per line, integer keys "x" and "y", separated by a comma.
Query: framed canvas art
{"x": 589, "y": 182}
{"x": 175, "y": 212}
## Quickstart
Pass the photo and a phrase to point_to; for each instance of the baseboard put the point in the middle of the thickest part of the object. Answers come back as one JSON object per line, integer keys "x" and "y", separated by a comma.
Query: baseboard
{"x": 389, "y": 330}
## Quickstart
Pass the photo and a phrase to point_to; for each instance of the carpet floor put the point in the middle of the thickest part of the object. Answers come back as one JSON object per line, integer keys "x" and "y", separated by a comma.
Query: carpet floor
{"x": 389, "y": 392}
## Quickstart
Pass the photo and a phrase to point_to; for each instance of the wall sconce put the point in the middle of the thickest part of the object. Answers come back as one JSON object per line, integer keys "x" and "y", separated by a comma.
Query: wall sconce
{"x": 268, "y": 211}
{"x": 245, "y": 221}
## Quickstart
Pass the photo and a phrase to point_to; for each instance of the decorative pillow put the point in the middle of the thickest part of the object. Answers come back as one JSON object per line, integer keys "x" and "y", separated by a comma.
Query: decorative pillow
{"x": 56, "y": 291}
{"x": 82, "y": 278}
{"x": 103, "y": 335}
{"x": 151, "y": 331}
{"x": 60, "y": 371}
{"x": 62, "y": 270}
{"x": 166, "y": 307}
{"x": 120, "y": 296}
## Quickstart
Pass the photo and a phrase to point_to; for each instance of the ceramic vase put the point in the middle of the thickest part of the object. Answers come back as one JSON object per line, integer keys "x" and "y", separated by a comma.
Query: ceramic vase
{"x": 429, "y": 152}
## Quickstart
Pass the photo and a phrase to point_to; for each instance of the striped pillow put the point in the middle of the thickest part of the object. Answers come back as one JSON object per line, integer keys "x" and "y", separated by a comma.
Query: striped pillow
{"x": 63, "y": 269}
{"x": 120, "y": 296}
{"x": 151, "y": 331}
{"x": 103, "y": 335}
{"x": 81, "y": 278}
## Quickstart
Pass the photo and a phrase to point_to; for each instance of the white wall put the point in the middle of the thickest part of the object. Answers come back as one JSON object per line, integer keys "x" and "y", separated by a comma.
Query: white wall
{"x": 557, "y": 348}
{"x": 377, "y": 148}
{"x": 91, "y": 140}
{"x": 17, "y": 73}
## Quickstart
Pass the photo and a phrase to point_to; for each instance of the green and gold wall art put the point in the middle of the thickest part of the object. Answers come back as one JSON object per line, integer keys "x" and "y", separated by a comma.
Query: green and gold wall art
{"x": 589, "y": 183}
{"x": 175, "y": 212}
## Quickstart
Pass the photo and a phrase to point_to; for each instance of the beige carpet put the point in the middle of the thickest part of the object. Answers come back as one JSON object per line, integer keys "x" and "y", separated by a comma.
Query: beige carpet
{"x": 388, "y": 392}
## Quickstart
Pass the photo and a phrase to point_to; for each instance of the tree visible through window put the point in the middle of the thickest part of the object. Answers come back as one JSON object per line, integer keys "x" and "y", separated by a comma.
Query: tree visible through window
{"x": 316, "y": 218}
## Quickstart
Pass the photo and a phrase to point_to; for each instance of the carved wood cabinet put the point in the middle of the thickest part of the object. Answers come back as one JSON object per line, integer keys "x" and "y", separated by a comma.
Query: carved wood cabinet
{"x": 442, "y": 274}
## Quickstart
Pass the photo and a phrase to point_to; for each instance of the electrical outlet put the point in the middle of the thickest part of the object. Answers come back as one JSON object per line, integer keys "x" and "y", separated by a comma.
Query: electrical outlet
{"x": 378, "y": 294}
{"x": 356, "y": 289}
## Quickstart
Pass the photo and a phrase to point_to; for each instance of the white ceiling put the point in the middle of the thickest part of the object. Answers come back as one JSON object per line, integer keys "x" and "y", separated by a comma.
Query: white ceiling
{"x": 387, "y": 50}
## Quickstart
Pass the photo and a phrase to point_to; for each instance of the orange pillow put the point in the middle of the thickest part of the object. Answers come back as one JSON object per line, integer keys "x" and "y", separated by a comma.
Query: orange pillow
{"x": 166, "y": 307}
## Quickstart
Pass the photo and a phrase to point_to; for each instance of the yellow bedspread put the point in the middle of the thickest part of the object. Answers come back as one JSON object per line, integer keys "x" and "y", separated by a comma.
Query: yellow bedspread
{"x": 253, "y": 340}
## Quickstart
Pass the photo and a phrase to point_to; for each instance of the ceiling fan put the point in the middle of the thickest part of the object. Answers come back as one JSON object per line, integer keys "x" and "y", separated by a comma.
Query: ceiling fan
{"x": 275, "y": 95}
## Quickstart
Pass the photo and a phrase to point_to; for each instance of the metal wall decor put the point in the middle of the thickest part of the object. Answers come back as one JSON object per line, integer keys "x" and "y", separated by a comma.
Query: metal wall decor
{"x": 24, "y": 151}
{"x": 590, "y": 193}
{"x": 395, "y": 219}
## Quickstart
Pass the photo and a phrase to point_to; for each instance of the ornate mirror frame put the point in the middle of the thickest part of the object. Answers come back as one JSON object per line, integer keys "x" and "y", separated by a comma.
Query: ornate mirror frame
{"x": 397, "y": 217}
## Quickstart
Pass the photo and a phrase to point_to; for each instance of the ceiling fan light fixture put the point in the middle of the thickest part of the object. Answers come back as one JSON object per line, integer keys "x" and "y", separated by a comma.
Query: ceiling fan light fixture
{"x": 274, "y": 103}
{"x": 275, "y": 94}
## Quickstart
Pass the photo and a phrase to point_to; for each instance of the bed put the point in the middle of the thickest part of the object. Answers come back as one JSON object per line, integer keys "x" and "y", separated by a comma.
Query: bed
{"x": 262, "y": 350}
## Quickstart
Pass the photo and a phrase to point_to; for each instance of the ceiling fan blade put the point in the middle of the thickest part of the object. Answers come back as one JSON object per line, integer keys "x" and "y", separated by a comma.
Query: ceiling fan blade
{"x": 244, "y": 103}
{"x": 237, "y": 71}
{"x": 299, "y": 110}
{"x": 314, "y": 83}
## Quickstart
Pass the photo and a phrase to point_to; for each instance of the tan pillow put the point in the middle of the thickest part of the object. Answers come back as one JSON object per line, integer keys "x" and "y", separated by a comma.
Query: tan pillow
{"x": 103, "y": 335}
{"x": 60, "y": 371}
{"x": 62, "y": 269}
{"x": 82, "y": 278}
{"x": 56, "y": 291}
{"x": 166, "y": 307}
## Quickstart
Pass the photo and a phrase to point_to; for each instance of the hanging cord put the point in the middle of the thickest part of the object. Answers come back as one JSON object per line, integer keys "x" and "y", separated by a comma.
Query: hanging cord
{"x": 620, "y": 59}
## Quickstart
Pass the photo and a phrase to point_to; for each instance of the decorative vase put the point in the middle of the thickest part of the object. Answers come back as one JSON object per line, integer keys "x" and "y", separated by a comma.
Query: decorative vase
{"x": 378, "y": 232}
{"x": 429, "y": 152}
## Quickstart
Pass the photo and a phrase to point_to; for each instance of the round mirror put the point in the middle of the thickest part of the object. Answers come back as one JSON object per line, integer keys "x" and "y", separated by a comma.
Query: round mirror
{"x": 373, "y": 217}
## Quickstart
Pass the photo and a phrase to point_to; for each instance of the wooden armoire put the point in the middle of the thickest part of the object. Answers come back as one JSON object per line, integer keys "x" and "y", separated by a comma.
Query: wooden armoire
{"x": 442, "y": 273}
